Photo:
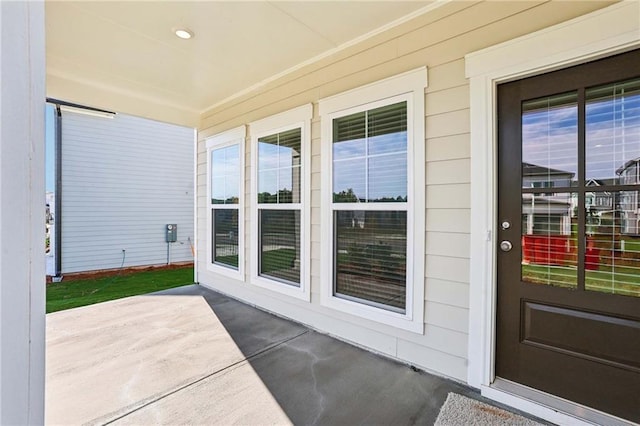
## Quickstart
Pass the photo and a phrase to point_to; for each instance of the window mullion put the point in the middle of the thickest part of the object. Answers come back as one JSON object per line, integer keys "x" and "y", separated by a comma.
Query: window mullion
{"x": 278, "y": 171}
{"x": 366, "y": 156}
{"x": 581, "y": 227}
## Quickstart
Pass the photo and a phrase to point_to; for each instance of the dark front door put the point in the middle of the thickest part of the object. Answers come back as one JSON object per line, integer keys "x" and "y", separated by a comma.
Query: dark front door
{"x": 568, "y": 234}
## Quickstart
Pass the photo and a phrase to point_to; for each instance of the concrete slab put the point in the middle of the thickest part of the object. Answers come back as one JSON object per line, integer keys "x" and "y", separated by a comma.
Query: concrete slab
{"x": 193, "y": 356}
{"x": 236, "y": 396}
{"x": 109, "y": 358}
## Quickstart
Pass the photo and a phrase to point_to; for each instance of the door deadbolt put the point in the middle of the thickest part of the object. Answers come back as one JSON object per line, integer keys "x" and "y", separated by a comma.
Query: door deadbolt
{"x": 506, "y": 245}
{"x": 505, "y": 225}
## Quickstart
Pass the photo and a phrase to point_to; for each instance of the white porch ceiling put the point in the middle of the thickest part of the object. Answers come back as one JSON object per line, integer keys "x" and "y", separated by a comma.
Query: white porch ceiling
{"x": 124, "y": 55}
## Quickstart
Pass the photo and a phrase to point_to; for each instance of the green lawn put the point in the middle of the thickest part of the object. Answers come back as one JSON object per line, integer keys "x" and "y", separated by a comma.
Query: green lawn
{"x": 275, "y": 260}
{"x": 621, "y": 280}
{"x": 71, "y": 294}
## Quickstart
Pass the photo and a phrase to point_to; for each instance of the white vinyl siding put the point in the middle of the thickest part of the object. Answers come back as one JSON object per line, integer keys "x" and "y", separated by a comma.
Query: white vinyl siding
{"x": 439, "y": 40}
{"x": 123, "y": 180}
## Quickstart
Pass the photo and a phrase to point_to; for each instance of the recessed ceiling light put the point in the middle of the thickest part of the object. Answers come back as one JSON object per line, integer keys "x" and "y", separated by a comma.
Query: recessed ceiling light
{"x": 183, "y": 33}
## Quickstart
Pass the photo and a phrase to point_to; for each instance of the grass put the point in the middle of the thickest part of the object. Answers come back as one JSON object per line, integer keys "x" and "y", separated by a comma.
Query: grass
{"x": 71, "y": 294}
{"x": 622, "y": 280}
{"x": 274, "y": 260}
{"x": 229, "y": 260}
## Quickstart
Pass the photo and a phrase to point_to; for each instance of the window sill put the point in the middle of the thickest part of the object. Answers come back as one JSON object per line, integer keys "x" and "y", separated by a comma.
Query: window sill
{"x": 301, "y": 292}
{"x": 404, "y": 321}
{"x": 236, "y": 274}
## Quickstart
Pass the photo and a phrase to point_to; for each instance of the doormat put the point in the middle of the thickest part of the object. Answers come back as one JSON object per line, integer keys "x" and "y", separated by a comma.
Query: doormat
{"x": 459, "y": 410}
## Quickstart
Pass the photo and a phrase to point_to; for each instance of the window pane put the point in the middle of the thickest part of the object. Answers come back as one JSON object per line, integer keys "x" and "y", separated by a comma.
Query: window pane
{"x": 613, "y": 133}
{"x": 268, "y": 186}
{"x": 612, "y": 256}
{"x": 232, "y": 159}
{"x": 395, "y": 142}
{"x": 550, "y": 141}
{"x": 370, "y": 254}
{"x": 289, "y": 143}
{"x": 225, "y": 237}
{"x": 387, "y": 129}
{"x": 372, "y": 166}
{"x": 218, "y": 188}
{"x": 289, "y": 183}
{"x": 549, "y": 239}
{"x": 349, "y": 180}
{"x": 279, "y": 167}
{"x": 218, "y": 162}
{"x": 388, "y": 178}
{"x": 225, "y": 175}
{"x": 232, "y": 189}
{"x": 349, "y": 136}
{"x": 268, "y": 152}
{"x": 280, "y": 245}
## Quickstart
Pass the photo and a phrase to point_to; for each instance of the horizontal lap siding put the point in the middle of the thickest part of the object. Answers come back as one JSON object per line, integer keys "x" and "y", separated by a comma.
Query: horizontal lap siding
{"x": 438, "y": 40}
{"x": 123, "y": 180}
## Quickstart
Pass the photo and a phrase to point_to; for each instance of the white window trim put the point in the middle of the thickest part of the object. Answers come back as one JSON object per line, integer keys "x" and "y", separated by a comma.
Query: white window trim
{"x": 602, "y": 33}
{"x": 299, "y": 117}
{"x": 408, "y": 86}
{"x": 221, "y": 140}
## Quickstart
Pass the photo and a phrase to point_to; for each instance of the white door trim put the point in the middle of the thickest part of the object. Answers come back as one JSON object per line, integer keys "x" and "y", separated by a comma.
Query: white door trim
{"x": 611, "y": 30}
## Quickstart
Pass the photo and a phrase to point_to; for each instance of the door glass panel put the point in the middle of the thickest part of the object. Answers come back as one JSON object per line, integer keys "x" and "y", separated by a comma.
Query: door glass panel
{"x": 550, "y": 141}
{"x": 612, "y": 255}
{"x": 613, "y": 133}
{"x": 549, "y": 243}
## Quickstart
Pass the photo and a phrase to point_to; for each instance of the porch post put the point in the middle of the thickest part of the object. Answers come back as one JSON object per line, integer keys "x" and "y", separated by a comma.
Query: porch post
{"x": 22, "y": 209}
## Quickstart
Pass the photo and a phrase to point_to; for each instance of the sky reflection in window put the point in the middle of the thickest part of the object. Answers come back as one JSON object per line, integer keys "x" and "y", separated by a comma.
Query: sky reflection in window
{"x": 370, "y": 155}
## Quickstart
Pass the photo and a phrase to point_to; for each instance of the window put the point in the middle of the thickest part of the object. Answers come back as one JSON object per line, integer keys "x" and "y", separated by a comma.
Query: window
{"x": 369, "y": 154}
{"x": 225, "y": 188}
{"x": 280, "y": 215}
{"x": 373, "y": 195}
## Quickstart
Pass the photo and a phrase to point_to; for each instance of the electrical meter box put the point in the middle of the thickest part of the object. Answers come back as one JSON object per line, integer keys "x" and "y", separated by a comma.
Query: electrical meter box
{"x": 171, "y": 233}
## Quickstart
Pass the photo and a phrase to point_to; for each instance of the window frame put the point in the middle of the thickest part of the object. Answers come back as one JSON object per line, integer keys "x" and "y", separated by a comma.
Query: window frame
{"x": 229, "y": 138}
{"x": 299, "y": 117}
{"x": 407, "y": 87}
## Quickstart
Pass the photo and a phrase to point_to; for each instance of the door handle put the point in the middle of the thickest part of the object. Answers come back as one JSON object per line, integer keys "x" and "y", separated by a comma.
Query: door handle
{"x": 506, "y": 245}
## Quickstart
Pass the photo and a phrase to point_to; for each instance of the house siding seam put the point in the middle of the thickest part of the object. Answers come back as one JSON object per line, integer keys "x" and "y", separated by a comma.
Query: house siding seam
{"x": 123, "y": 180}
{"x": 440, "y": 42}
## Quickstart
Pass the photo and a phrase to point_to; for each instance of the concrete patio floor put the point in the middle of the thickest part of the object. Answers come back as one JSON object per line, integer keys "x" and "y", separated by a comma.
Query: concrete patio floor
{"x": 193, "y": 356}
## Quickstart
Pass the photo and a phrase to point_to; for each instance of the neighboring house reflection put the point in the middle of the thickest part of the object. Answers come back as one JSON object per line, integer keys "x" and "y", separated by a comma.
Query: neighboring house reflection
{"x": 535, "y": 176}
{"x": 628, "y": 175}
{"x": 548, "y": 213}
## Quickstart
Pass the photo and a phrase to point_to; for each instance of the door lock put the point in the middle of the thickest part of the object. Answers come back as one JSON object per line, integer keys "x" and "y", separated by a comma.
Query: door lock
{"x": 506, "y": 245}
{"x": 505, "y": 225}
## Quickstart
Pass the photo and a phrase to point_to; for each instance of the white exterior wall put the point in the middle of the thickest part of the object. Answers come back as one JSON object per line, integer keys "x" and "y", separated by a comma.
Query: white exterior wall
{"x": 123, "y": 180}
{"x": 22, "y": 231}
{"x": 438, "y": 40}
